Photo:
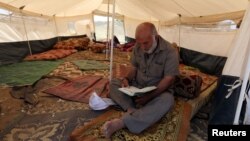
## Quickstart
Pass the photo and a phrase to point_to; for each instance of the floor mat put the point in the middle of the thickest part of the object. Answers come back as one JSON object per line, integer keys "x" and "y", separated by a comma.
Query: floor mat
{"x": 174, "y": 126}
{"x": 199, "y": 124}
{"x": 90, "y": 65}
{"x": 25, "y": 73}
{"x": 57, "y": 127}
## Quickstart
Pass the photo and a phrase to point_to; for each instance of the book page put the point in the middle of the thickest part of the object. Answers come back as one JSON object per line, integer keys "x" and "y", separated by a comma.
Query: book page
{"x": 132, "y": 91}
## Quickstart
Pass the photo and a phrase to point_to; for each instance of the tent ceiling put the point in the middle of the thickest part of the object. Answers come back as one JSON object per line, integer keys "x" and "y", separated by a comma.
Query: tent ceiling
{"x": 159, "y": 10}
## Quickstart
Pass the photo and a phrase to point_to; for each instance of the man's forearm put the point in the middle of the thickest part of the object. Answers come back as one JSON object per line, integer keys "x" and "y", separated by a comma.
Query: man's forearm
{"x": 131, "y": 74}
{"x": 162, "y": 86}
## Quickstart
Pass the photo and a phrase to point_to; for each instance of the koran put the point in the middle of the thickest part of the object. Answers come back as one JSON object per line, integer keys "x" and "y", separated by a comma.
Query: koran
{"x": 134, "y": 91}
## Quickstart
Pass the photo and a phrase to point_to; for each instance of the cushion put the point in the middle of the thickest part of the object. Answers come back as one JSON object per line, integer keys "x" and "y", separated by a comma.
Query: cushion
{"x": 50, "y": 55}
{"x": 73, "y": 43}
{"x": 97, "y": 48}
{"x": 188, "y": 86}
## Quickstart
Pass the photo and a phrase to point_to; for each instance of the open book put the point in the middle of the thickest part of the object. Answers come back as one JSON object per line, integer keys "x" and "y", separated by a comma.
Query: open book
{"x": 134, "y": 91}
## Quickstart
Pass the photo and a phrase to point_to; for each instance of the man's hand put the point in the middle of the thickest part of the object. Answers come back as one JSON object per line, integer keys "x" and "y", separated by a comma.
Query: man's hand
{"x": 124, "y": 82}
{"x": 142, "y": 100}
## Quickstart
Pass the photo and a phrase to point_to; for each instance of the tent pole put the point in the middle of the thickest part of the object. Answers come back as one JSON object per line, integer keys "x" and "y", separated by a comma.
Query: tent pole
{"x": 112, "y": 42}
{"x": 26, "y": 35}
{"x": 244, "y": 75}
{"x": 179, "y": 32}
{"x": 93, "y": 23}
{"x": 107, "y": 44}
{"x": 243, "y": 88}
{"x": 54, "y": 17}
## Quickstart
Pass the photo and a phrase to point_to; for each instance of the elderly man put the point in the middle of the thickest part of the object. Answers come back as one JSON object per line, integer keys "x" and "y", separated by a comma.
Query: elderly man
{"x": 155, "y": 63}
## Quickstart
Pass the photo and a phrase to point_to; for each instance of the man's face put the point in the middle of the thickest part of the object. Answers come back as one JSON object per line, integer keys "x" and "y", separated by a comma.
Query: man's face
{"x": 145, "y": 42}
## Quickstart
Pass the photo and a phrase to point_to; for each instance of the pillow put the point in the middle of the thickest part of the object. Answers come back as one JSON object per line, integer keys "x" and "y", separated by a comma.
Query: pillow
{"x": 188, "y": 86}
{"x": 73, "y": 43}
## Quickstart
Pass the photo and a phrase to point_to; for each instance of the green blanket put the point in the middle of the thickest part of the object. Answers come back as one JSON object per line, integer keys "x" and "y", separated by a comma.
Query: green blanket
{"x": 25, "y": 73}
{"x": 90, "y": 65}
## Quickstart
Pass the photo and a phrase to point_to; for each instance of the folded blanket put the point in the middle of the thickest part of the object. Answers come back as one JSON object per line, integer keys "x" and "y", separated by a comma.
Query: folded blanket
{"x": 80, "y": 89}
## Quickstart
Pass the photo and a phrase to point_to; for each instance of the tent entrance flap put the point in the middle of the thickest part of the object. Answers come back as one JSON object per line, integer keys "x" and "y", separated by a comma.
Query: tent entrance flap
{"x": 224, "y": 108}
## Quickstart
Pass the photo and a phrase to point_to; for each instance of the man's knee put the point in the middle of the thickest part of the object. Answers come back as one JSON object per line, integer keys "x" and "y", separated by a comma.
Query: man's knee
{"x": 168, "y": 99}
{"x": 115, "y": 81}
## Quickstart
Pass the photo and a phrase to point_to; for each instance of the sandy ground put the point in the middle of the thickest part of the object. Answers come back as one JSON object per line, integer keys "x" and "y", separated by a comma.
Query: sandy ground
{"x": 10, "y": 107}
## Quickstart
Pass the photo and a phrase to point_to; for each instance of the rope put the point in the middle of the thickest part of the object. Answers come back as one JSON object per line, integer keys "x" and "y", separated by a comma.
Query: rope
{"x": 236, "y": 84}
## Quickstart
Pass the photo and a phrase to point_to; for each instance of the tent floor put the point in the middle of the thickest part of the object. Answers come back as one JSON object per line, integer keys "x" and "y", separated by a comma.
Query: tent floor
{"x": 17, "y": 113}
{"x": 12, "y": 111}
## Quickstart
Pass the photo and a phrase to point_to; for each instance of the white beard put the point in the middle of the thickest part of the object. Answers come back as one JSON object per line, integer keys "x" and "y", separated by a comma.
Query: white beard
{"x": 154, "y": 45}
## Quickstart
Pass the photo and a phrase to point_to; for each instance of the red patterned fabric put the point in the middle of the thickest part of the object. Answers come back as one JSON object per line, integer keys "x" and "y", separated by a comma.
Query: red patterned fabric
{"x": 207, "y": 79}
{"x": 81, "y": 88}
{"x": 97, "y": 47}
{"x": 73, "y": 43}
{"x": 188, "y": 86}
{"x": 50, "y": 55}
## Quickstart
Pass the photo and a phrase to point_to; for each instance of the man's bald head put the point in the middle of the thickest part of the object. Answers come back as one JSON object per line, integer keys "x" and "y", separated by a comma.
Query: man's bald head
{"x": 145, "y": 29}
{"x": 145, "y": 35}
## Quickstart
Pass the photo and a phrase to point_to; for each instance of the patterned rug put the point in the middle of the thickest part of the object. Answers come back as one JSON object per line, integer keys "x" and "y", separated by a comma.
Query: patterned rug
{"x": 56, "y": 126}
{"x": 121, "y": 57}
{"x": 199, "y": 124}
{"x": 174, "y": 126}
{"x": 90, "y": 65}
{"x": 67, "y": 115}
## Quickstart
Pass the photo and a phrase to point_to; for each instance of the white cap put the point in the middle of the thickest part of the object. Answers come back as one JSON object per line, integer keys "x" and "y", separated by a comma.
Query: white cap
{"x": 98, "y": 103}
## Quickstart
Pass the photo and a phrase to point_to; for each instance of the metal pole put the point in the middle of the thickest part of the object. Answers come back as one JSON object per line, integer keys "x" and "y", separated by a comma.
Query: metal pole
{"x": 26, "y": 35}
{"x": 107, "y": 44}
{"x": 246, "y": 70}
{"x": 179, "y": 30}
{"x": 54, "y": 17}
{"x": 112, "y": 41}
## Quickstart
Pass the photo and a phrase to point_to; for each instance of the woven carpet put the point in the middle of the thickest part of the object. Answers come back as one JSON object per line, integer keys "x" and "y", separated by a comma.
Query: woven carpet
{"x": 199, "y": 124}
{"x": 90, "y": 65}
{"x": 25, "y": 73}
{"x": 56, "y": 127}
{"x": 173, "y": 126}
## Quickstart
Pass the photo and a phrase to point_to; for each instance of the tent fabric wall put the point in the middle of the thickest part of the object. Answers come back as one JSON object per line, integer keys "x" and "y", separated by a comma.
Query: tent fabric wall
{"x": 239, "y": 49}
{"x": 38, "y": 28}
{"x": 210, "y": 42}
{"x": 224, "y": 108}
{"x": 213, "y": 42}
{"x": 131, "y": 24}
{"x": 157, "y": 10}
{"x": 237, "y": 65}
{"x": 67, "y": 8}
{"x": 13, "y": 52}
{"x": 12, "y": 28}
{"x": 83, "y": 25}
{"x": 202, "y": 61}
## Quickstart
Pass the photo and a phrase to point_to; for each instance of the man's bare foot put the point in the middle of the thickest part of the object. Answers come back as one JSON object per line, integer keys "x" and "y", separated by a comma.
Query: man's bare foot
{"x": 110, "y": 127}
